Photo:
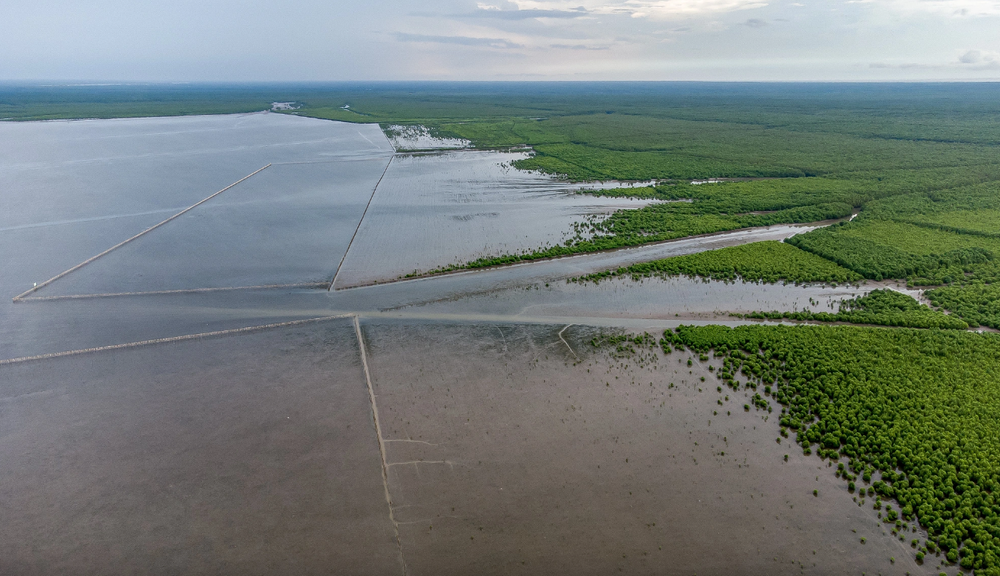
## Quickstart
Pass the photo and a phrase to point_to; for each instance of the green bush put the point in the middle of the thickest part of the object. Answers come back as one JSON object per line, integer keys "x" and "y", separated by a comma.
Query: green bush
{"x": 917, "y": 406}
{"x": 882, "y": 307}
{"x": 768, "y": 262}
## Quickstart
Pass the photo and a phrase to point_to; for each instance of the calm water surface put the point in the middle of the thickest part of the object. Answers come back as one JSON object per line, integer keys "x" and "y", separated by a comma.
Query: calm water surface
{"x": 222, "y": 455}
{"x": 432, "y": 210}
{"x": 74, "y": 189}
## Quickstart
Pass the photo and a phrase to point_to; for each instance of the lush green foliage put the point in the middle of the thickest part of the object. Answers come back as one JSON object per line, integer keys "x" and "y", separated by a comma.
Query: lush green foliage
{"x": 949, "y": 237}
{"x": 977, "y": 302}
{"x": 882, "y": 144}
{"x": 877, "y": 260}
{"x": 817, "y": 173}
{"x": 882, "y": 307}
{"x": 931, "y": 238}
{"x": 757, "y": 262}
{"x": 920, "y": 162}
{"x": 914, "y": 413}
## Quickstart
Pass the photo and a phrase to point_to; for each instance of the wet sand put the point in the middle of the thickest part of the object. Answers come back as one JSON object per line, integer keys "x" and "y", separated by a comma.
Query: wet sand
{"x": 256, "y": 452}
{"x": 432, "y": 210}
{"x": 511, "y": 454}
{"x": 509, "y": 449}
{"x": 252, "y": 454}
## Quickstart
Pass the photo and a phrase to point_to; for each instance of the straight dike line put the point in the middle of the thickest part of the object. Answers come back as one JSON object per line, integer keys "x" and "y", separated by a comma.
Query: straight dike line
{"x": 315, "y": 285}
{"x": 367, "y": 206}
{"x": 142, "y": 343}
{"x": 37, "y": 287}
{"x": 381, "y": 442}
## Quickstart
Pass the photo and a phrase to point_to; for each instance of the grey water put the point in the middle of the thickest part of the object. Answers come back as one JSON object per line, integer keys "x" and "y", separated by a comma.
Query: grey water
{"x": 224, "y": 454}
{"x": 432, "y": 210}
{"x": 70, "y": 190}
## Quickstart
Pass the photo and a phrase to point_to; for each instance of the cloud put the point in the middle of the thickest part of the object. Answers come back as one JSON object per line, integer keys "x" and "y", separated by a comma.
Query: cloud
{"x": 971, "y": 57}
{"x": 954, "y": 8}
{"x": 971, "y": 60}
{"x": 903, "y": 66}
{"x": 578, "y": 47}
{"x": 494, "y": 12}
{"x": 755, "y": 23}
{"x": 979, "y": 60}
{"x": 461, "y": 40}
{"x": 653, "y": 9}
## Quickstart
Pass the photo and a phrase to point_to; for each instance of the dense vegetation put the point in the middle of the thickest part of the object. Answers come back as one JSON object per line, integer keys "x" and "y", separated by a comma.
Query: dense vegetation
{"x": 881, "y": 307}
{"x": 756, "y": 262}
{"x": 946, "y": 237}
{"x": 804, "y": 155}
{"x": 912, "y": 414}
{"x": 917, "y": 236}
{"x": 977, "y": 303}
{"x": 923, "y": 156}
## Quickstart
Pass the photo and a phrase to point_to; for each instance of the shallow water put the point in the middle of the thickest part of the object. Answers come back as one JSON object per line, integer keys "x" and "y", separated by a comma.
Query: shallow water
{"x": 290, "y": 224}
{"x": 432, "y": 210}
{"x": 60, "y": 178}
{"x": 521, "y": 449}
{"x": 419, "y": 138}
{"x": 507, "y": 448}
{"x": 652, "y": 298}
{"x": 243, "y": 455}
{"x": 205, "y": 454}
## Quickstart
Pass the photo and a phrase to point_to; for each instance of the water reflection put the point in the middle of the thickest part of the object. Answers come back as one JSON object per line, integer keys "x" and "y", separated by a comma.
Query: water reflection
{"x": 73, "y": 189}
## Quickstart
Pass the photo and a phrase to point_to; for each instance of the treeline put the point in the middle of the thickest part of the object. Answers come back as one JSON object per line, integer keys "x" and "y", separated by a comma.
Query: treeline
{"x": 658, "y": 223}
{"x": 767, "y": 262}
{"x": 912, "y": 414}
{"x": 978, "y": 303}
{"x": 879, "y": 307}
{"x": 850, "y": 187}
{"x": 877, "y": 261}
{"x": 712, "y": 208}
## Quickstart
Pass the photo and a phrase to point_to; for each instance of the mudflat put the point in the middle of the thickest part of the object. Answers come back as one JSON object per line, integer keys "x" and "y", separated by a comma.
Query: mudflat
{"x": 517, "y": 449}
{"x": 251, "y": 454}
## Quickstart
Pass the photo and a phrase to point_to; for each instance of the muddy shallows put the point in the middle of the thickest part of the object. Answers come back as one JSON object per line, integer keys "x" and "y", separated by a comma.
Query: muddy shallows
{"x": 523, "y": 449}
{"x": 250, "y": 454}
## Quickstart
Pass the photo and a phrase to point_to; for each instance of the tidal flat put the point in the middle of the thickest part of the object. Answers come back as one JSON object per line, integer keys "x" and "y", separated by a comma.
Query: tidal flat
{"x": 150, "y": 424}
{"x": 448, "y": 208}
{"x": 247, "y": 454}
{"x": 74, "y": 189}
{"x": 523, "y": 449}
{"x": 224, "y": 455}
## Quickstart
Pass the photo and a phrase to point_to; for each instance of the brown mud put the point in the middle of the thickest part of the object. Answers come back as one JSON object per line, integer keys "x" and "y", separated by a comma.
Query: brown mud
{"x": 518, "y": 449}
{"x": 248, "y": 454}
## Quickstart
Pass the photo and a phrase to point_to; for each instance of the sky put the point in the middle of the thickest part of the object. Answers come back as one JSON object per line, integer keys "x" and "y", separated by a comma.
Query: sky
{"x": 324, "y": 40}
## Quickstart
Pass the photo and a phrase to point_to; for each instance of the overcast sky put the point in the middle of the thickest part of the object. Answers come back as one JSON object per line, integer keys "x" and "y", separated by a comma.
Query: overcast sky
{"x": 287, "y": 40}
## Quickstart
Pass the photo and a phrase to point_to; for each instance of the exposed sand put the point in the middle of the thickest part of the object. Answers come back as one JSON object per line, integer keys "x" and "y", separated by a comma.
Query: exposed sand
{"x": 507, "y": 455}
{"x": 240, "y": 455}
{"x": 509, "y": 445}
{"x": 508, "y": 448}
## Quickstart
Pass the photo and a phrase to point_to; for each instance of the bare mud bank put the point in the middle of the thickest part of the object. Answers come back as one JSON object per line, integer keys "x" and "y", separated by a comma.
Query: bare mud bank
{"x": 521, "y": 450}
{"x": 252, "y": 454}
